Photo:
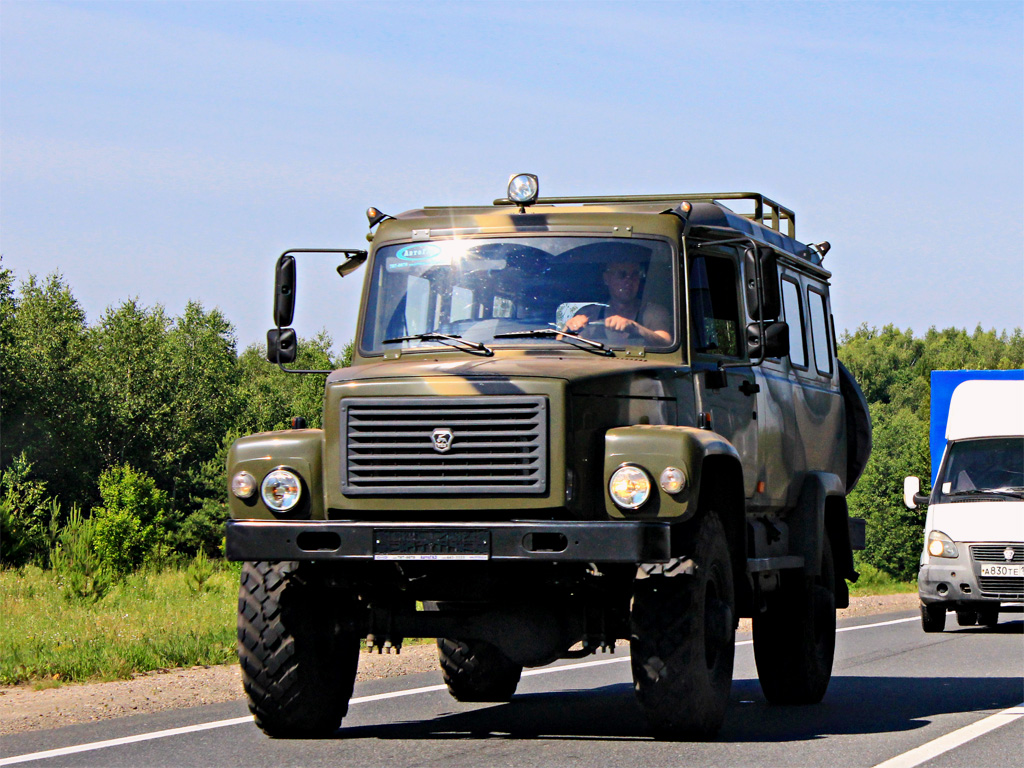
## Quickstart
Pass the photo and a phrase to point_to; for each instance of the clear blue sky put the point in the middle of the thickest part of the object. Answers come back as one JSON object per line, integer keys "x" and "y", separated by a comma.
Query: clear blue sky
{"x": 171, "y": 151}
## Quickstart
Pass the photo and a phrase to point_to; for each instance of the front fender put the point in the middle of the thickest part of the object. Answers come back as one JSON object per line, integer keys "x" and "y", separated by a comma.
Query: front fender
{"x": 298, "y": 449}
{"x": 655, "y": 447}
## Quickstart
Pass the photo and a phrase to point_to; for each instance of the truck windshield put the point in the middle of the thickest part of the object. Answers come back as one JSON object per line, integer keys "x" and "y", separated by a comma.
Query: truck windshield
{"x": 616, "y": 291}
{"x": 991, "y": 468}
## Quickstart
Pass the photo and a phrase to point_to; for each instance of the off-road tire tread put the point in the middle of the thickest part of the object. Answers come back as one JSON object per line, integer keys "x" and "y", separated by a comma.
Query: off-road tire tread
{"x": 670, "y": 675}
{"x": 791, "y": 666}
{"x": 476, "y": 671}
{"x": 298, "y": 668}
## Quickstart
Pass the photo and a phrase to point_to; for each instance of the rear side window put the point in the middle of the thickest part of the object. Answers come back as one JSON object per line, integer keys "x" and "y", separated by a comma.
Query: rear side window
{"x": 819, "y": 332}
{"x": 714, "y": 307}
{"x": 794, "y": 316}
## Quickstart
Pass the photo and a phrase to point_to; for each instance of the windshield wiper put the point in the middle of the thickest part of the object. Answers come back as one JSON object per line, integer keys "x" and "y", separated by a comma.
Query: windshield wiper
{"x": 568, "y": 337}
{"x": 454, "y": 341}
{"x": 1014, "y": 490}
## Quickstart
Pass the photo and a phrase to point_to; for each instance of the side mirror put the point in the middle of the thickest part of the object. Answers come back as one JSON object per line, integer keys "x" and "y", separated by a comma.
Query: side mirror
{"x": 284, "y": 293}
{"x": 769, "y": 271}
{"x": 912, "y": 496}
{"x": 355, "y": 260}
{"x": 774, "y": 344}
{"x": 281, "y": 345}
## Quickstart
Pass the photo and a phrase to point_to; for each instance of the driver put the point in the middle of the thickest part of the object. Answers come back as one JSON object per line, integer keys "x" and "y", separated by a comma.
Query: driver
{"x": 625, "y": 316}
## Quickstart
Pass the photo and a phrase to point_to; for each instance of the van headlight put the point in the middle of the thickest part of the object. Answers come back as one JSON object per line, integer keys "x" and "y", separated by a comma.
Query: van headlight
{"x": 630, "y": 486}
{"x": 281, "y": 490}
{"x": 940, "y": 545}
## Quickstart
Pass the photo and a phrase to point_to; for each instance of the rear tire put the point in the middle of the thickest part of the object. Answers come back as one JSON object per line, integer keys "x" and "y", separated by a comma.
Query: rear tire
{"x": 475, "y": 670}
{"x": 298, "y": 659}
{"x": 795, "y": 638}
{"x": 988, "y": 617}
{"x": 683, "y": 637}
{"x": 966, "y": 618}
{"x": 933, "y": 617}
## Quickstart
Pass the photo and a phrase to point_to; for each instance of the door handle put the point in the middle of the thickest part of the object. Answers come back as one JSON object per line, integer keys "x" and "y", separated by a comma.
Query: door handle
{"x": 749, "y": 388}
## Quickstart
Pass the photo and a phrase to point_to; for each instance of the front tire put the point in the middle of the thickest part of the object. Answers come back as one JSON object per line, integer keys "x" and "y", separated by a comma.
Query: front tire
{"x": 476, "y": 671}
{"x": 795, "y": 638}
{"x": 933, "y": 617}
{"x": 298, "y": 660}
{"x": 966, "y": 617}
{"x": 683, "y": 637}
{"x": 988, "y": 616}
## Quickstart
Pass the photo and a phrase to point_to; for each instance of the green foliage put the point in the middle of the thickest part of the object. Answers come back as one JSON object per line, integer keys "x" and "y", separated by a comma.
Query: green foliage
{"x": 28, "y": 516}
{"x": 128, "y": 525}
{"x": 81, "y": 574}
{"x": 198, "y": 573}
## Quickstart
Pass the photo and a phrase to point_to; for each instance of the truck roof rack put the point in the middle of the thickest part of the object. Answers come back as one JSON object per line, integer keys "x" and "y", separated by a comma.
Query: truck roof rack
{"x": 766, "y": 212}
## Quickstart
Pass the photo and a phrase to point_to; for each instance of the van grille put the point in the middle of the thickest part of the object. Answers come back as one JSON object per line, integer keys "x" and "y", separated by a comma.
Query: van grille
{"x": 996, "y": 553}
{"x": 394, "y": 445}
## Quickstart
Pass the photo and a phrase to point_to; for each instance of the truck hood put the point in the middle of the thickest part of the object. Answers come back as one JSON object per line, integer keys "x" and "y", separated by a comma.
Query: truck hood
{"x": 581, "y": 371}
{"x": 975, "y": 521}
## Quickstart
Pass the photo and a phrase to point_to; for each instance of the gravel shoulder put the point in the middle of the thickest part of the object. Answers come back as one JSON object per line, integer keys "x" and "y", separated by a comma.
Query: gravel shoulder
{"x": 22, "y": 708}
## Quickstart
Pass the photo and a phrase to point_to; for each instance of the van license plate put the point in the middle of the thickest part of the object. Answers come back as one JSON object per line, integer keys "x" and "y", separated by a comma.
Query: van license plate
{"x": 430, "y": 544}
{"x": 994, "y": 569}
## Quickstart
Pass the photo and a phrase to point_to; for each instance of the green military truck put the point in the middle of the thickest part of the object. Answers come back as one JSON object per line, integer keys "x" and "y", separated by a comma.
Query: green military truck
{"x": 568, "y": 422}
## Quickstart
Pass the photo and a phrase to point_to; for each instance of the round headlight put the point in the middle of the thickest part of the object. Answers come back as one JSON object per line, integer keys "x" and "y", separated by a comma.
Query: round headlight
{"x": 243, "y": 485}
{"x": 523, "y": 188}
{"x": 629, "y": 486}
{"x": 673, "y": 480}
{"x": 281, "y": 490}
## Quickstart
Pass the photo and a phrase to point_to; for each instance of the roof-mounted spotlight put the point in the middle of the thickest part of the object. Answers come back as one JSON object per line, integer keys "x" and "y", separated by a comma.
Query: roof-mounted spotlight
{"x": 819, "y": 250}
{"x": 375, "y": 216}
{"x": 523, "y": 189}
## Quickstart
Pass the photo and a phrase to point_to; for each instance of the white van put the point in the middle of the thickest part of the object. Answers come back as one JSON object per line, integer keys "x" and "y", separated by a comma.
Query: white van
{"x": 973, "y": 559}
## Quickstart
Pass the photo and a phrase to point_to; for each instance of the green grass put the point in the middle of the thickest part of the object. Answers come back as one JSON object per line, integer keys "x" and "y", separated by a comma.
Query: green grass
{"x": 149, "y": 621}
{"x": 154, "y": 621}
{"x": 875, "y": 582}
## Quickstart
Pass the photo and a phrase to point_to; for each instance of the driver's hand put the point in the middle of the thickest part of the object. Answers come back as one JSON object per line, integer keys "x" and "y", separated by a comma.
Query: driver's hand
{"x": 619, "y": 323}
{"x": 576, "y": 322}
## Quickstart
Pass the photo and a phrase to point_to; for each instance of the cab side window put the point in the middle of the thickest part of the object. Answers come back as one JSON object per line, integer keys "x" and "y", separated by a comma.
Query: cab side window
{"x": 794, "y": 316}
{"x": 714, "y": 306}
{"x": 819, "y": 332}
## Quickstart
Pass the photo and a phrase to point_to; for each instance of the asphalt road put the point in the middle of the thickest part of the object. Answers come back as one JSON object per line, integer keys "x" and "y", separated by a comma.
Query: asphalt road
{"x": 898, "y": 698}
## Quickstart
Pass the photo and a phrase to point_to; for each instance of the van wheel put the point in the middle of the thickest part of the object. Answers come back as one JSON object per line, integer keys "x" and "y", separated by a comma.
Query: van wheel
{"x": 933, "y": 617}
{"x": 966, "y": 618}
{"x": 298, "y": 660}
{"x": 683, "y": 638}
{"x": 475, "y": 670}
{"x": 795, "y": 637}
{"x": 988, "y": 617}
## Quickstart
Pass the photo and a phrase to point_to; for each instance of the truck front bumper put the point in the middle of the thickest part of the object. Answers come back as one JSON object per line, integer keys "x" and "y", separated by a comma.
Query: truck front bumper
{"x": 516, "y": 541}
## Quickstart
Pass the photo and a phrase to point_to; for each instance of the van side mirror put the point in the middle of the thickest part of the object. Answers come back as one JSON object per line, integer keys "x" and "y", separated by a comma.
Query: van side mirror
{"x": 281, "y": 345}
{"x": 912, "y": 496}
{"x": 774, "y": 344}
{"x": 284, "y": 292}
{"x": 769, "y": 278}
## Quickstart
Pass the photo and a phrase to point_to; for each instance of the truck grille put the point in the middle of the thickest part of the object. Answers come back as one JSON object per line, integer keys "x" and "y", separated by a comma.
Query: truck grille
{"x": 996, "y": 553}
{"x": 1005, "y": 587}
{"x": 444, "y": 445}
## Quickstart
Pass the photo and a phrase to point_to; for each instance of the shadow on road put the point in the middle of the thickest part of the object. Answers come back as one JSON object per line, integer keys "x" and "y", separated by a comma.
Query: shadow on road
{"x": 853, "y": 705}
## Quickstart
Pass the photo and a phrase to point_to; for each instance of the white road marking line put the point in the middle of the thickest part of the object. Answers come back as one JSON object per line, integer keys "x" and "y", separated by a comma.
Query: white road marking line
{"x": 943, "y": 744}
{"x": 358, "y": 700}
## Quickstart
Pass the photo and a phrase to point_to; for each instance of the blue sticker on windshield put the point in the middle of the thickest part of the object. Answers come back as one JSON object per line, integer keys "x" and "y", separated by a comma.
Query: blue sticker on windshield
{"x": 419, "y": 254}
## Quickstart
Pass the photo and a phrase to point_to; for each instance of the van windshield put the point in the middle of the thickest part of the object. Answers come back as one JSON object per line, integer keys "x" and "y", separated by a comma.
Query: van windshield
{"x": 990, "y": 468}
{"x": 482, "y": 289}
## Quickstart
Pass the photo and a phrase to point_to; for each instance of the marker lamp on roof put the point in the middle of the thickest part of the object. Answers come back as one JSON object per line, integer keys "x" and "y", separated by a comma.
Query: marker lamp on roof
{"x": 523, "y": 189}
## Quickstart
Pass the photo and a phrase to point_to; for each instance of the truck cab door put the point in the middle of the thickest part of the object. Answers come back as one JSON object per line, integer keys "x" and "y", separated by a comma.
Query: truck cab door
{"x": 726, "y": 397}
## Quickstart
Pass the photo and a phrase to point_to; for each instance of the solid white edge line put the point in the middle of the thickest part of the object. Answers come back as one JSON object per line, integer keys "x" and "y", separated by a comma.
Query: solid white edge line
{"x": 359, "y": 700}
{"x": 943, "y": 744}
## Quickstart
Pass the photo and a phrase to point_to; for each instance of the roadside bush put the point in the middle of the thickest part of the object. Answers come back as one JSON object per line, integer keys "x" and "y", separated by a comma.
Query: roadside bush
{"x": 28, "y": 517}
{"x": 128, "y": 525}
{"x": 79, "y": 571}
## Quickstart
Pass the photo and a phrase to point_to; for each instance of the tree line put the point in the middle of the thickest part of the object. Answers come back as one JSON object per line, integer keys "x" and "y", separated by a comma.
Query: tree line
{"x": 115, "y": 433}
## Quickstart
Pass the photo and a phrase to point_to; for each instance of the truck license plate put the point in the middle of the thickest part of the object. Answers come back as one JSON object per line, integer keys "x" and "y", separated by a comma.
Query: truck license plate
{"x": 994, "y": 569}
{"x": 430, "y": 544}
